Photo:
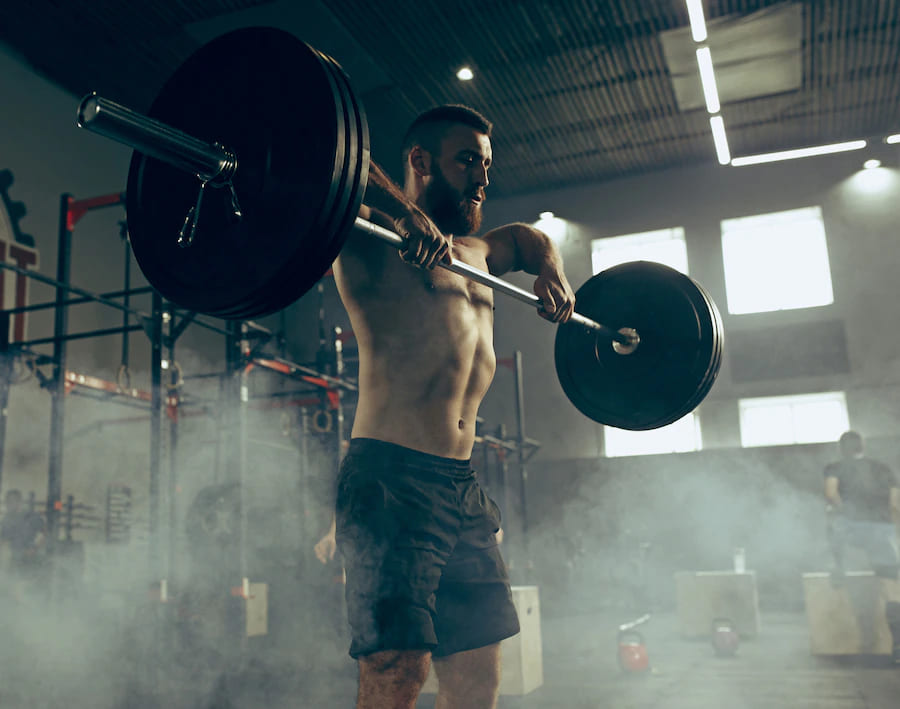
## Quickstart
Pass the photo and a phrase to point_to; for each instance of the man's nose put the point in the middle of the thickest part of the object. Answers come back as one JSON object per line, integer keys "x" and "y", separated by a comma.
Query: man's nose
{"x": 481, "y": 178}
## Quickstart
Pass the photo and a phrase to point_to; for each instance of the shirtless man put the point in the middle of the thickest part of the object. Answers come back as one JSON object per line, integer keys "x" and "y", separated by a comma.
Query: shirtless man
{"x": 425, "y": 578}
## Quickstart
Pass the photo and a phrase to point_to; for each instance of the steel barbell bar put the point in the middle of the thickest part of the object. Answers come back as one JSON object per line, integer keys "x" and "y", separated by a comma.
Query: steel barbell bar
{"x": 215, "y": 162}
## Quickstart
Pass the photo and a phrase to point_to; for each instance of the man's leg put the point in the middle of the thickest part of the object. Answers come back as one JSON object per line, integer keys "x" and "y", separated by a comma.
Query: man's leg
{"x": 468, "y": 679}
{"x": 392, "y": 679}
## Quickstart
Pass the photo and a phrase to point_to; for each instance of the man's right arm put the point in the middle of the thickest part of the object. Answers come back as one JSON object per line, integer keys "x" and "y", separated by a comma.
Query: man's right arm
{"x": 832, "y": 489}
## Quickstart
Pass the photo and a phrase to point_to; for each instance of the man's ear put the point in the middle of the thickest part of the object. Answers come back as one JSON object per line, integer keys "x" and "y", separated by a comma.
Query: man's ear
{"x": 420, "y": 161}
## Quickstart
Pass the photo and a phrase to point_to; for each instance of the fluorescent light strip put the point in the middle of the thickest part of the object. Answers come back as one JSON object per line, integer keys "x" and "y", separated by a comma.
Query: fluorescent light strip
{"x": 799, "y": 153}
{"x": 893, "y": 139}
{"x": 708, "y": 79}
{"x": 698, "y": 24}
{"x": 718, "y": 130}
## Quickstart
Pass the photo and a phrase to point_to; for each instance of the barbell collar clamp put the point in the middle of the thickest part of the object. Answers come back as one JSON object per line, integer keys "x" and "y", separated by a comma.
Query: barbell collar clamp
{"x": 211, "y": 162}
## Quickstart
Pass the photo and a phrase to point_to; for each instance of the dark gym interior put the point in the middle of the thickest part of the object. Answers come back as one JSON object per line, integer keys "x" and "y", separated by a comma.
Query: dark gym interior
{"x": 179, "y": 468}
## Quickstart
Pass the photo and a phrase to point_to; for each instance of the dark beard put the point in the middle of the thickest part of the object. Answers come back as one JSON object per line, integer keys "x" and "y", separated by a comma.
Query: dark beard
{"x": 449, "y": 209}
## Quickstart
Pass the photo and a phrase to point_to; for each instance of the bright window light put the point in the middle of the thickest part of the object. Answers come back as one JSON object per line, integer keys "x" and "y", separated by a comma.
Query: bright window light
{"x": 799, "y": 153}
{"x": 679, "y": 437}
{"x": 708, "y": 79}
{"x": 776, "y": 261}
{"x": 465, "y": 74}
{"x": 717, "y": 124}
{"x": 698, "y": 23}
{"x": 785, "y": 420}
{"x": 666, "y": 246}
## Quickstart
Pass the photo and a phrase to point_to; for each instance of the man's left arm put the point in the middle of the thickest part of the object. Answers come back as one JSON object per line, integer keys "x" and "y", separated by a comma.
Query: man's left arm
{"x": 521, "y": 247}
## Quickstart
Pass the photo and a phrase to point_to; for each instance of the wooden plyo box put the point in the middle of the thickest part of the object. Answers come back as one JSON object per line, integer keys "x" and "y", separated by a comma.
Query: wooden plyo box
{"x": 704, "y": 596}
{"x": 833, "y": 624}
{"x": 522, "y": 667}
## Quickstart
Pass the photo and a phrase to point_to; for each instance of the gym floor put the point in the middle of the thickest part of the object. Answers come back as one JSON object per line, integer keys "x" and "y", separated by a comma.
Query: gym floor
{"x": 773, "y": 671}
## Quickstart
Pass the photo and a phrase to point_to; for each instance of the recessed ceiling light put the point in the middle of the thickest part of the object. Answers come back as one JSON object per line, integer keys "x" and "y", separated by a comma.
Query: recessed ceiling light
{"x": 869, "y": 164}
{"x": 465, "y": 74}
{"x": 546, "y": 215}
{"x": 893, "y": 139}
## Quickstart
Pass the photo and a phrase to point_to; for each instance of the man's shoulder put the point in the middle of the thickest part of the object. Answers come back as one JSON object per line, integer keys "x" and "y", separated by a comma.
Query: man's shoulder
{"x": 880, "y": 467}
{"x": 833, "y": 470}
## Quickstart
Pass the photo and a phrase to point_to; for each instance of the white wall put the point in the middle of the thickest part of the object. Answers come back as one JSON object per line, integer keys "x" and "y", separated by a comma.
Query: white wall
{"x": 861, "y": 231}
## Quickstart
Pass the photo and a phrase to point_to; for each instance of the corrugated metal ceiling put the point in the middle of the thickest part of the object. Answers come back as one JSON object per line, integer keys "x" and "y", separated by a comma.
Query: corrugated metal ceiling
{"x": 579, "y": 90}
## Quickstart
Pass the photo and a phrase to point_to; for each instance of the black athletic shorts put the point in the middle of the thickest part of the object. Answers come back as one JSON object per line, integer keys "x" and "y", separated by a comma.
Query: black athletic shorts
{"x": 418, "y": 537}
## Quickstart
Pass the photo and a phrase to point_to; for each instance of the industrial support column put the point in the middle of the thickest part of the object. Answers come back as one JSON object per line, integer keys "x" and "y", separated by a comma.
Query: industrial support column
{"x": 58, "y": 382}
{"x": 156, "y": 402}
{"x": 6, "y": 373}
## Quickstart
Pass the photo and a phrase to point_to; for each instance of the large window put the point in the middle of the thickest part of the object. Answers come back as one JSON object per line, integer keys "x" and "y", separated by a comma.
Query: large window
{"x": 783, "y": 420}
{"x": 679, "y": 437}
{"x": 664, "y": 246}
{"x": 776, "y": 261}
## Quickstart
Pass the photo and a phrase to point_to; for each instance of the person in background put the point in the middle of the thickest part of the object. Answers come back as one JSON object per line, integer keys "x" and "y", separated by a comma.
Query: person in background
{"x": 863, "y": 503}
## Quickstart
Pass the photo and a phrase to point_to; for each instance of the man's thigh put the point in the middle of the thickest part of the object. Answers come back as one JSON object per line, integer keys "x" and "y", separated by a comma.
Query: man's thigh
{"x": 474, "y": 607}
{"x": 469, "y": 674}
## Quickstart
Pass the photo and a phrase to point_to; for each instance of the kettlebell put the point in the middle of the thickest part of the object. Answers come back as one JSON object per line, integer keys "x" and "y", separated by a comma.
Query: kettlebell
{"x": 632, "y": 652}
{"x": 725, "y": 638}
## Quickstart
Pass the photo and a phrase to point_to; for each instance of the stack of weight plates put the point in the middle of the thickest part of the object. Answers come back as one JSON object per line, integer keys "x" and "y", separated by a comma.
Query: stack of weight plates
{"x": 302, "y": 146}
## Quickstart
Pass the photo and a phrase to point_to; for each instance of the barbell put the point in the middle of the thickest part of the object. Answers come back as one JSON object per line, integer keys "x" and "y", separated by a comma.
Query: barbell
{"x": 248, "y": 175}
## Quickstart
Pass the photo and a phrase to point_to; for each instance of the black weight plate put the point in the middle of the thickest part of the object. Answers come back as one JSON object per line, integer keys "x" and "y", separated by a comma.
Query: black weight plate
{"x": 673, "y": 367}
{"x": 716, "y": 360}
{"x": 268, "y": 97}
{"x": 360, "y": 129}
{"x": 295, "y": 276}
{"x": 282, "y": 290}
{"x": 718, "y": 347}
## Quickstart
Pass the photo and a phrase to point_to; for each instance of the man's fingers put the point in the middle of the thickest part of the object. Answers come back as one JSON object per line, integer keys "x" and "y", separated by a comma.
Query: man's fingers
{"x": 548, "y": 304}
{"x": 439, "y": 254}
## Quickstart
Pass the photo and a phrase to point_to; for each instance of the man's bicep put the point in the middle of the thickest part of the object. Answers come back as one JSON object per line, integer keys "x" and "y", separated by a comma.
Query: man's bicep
{"x": 832, "y": 486}
{"x": 502, "y": 256}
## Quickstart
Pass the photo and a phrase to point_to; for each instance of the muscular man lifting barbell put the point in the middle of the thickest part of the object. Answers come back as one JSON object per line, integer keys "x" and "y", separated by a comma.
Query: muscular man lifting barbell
{"x": 282, "y": 162}
{"x": 425, "y": 578}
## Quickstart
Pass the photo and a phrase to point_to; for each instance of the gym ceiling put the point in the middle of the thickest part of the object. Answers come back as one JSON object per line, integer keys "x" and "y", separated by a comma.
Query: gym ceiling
{"x": 580, "y": 90}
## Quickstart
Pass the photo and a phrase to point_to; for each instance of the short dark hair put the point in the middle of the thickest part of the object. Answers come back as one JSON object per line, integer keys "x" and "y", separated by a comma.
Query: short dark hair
{"x": 851, "y": 441}
{"x": 430, "y": 126}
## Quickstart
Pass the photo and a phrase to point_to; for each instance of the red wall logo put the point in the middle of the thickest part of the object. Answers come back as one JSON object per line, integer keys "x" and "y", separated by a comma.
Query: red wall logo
{"x": 14, "y": 286}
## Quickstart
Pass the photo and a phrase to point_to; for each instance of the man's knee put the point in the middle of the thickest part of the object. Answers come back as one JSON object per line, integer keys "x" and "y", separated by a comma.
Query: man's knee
{"x": 400, "y": 666}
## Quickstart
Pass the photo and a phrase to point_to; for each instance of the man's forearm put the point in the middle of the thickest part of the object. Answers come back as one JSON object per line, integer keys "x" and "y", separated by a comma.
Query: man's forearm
{"x": 383, "y": 195}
